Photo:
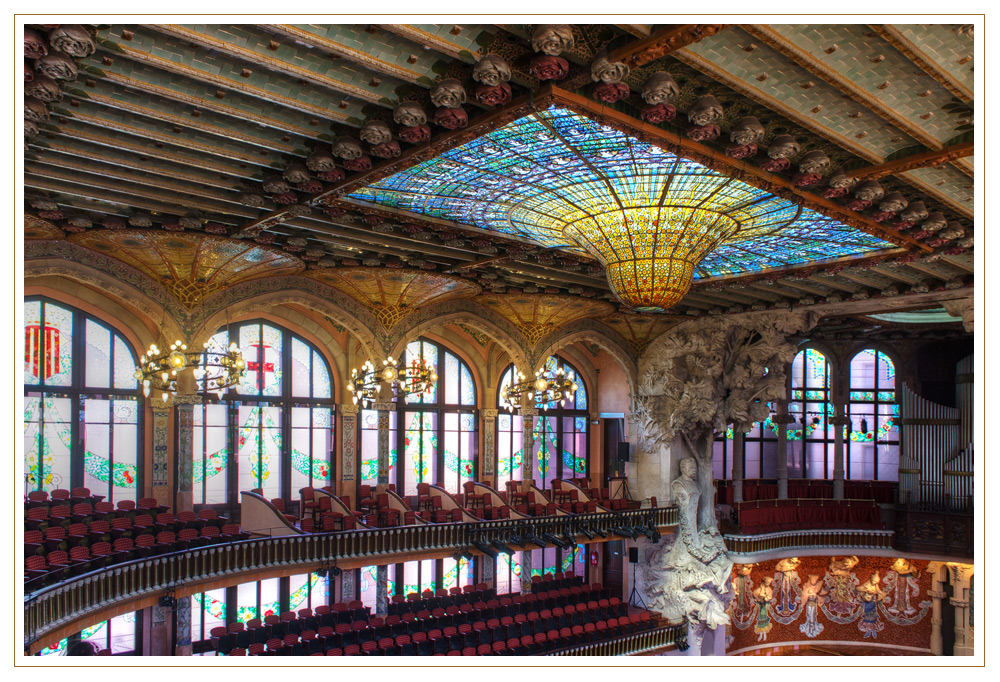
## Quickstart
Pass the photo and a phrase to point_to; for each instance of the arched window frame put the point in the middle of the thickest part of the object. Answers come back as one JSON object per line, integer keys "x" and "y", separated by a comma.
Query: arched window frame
{"x": 557, "y": 423}
{"x": 814, "y": 438}
{"x": 446, "y": 426}
{"x": 289, "y": 406}
{"x": 78, "y": 393}
{"x": 879, "y": 407}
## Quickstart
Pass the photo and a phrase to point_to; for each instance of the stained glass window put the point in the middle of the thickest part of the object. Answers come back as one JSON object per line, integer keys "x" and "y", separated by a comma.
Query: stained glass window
{"x": 368, "y": 582}
{"x": 760, "y": 451}
{"x": 811, "y": 435}
{"x": 560, "y": 435}
{"x": 82, "y": 407}
{"x": 438, "y": 438}
{"x": 872, "y": 442}
{"x": 284, "y": 416}
{"x": 122, "y": 635}
{"x": 508, "y": 573}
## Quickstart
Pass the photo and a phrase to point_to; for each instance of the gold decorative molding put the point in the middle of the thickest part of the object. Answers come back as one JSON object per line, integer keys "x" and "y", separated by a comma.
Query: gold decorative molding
{"x": 36, "y": 228}
{"x": 536, "y": 315}
{"x": 928, "y": 159}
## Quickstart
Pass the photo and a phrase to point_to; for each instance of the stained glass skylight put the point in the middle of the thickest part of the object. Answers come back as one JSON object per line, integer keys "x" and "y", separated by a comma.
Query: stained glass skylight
{"x": 558, "y": 178}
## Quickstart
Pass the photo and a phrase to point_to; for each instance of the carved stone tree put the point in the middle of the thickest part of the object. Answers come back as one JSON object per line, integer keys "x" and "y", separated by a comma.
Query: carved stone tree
{"x": 693, "y": 383}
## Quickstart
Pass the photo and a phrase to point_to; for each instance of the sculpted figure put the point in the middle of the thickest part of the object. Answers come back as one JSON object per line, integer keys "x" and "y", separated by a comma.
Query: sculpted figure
{"x": 842, "y": 566}
{"x": 375, "y": 133}
{"x": 705, "y": 110}
{"x": 783, "y": 147}
{"x": 347, "y": 148}
{"x": 448, "y": 93}
{"x": 871, "y": 594}
{"x": 763, "y": 596}
{"x": 815, "y": 161}
{"x": 747, "y": 131}
{"x": 552, "y": 39}
{"x": 813, "y": 593}
{"x": 660, "y": 88}
{"x": 491, "y": 70}
{"x": 409, "y": 114}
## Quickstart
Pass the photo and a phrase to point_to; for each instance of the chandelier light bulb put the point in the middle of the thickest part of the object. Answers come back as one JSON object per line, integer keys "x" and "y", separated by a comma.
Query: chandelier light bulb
{"x": 166, "y": 397}
{"x": 541, "y": 383}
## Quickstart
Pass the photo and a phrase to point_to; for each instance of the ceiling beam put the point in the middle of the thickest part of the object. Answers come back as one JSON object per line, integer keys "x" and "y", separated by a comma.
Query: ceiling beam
{"x": 742, "y": 87}
{"x": 928, "y": 159}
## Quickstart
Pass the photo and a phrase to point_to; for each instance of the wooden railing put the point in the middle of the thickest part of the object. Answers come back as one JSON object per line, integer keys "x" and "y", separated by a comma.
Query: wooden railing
{"x": 808, "y": 539}
{"x": 83, "y": 600}
{"x": 629, "y": 645}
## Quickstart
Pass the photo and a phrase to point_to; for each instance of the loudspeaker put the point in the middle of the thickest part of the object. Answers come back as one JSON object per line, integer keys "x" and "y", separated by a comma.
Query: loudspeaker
{"x": 623, "y": 451}
{"x": 633, "y": 555}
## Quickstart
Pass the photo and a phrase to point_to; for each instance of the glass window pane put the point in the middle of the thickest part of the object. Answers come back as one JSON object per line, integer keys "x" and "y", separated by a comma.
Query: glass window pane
{"x": 124, "y": 366}
{"x": 321, "y": 377}
{"x": 52, "y": 349}
{"x": 451, "y": 379}
{"x": 98, "y": 365}
{"x": 301, "y": 370}
{"x": 33, "y": 342}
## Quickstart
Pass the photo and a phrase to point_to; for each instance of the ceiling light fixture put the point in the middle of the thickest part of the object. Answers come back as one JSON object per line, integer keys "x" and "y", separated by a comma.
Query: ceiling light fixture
{"x": 547, "y": 388}
{"x": 217, "y": 367}
{"x": 417, "y": 377}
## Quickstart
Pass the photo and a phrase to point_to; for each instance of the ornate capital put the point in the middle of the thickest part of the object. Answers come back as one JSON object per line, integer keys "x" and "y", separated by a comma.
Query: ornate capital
{"x": 529, "y": 412}
{"x": 348, "y": 409}
{"x": 383, "y": 407}
{"x": 490, "y": 413}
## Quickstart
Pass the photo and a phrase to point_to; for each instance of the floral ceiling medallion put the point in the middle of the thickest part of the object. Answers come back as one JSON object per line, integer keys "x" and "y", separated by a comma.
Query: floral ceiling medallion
{"x": 393, "y": 294}
{"x": 536, "y": 315}
{"x": 655, "y": 220}
{"x": 190, "y": 266}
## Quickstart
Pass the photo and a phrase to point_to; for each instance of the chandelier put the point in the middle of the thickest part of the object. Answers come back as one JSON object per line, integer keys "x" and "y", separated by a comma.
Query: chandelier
{"x": 416, "y": 378}
{"x": 546, "y": 388}
{"x": 650, "y": 253}
{"x": 217, "y": 368}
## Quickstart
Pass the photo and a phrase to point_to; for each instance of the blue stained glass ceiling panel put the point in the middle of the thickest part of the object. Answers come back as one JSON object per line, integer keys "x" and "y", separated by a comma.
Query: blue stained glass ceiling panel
{"x": 540, "y": 174}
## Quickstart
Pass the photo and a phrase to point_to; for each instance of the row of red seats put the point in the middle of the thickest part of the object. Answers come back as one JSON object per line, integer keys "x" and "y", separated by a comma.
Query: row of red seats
{"x": 882, "y": 492}
{"x": 535, "y": 633}
{"x": 777, "y": 515}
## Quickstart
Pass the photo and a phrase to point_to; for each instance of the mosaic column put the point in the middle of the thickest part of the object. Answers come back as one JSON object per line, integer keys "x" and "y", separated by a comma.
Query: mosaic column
{"x": 383, "y": 443}
{"x": 526, "y": 571}
{"x": 781, "y": 421}
{"x": 161, "y": 455}
{"x": 349, "y": 430}
{"x": 528, "y": 416}
{"x": 347, "y": 584}
{"x": 960, "y": 582}
{"x": 737, "y": 465}
{"x": 382, "y": 591}
{"x": 160, "y": 624}
{"x": 937, "y": 639}
{"x": 489, "y": 443}
{"x": 488, "y": 570}
{"x": 839, "y": 422}
{"x": 184, "y": 404}
{"x": 182, "y": 617}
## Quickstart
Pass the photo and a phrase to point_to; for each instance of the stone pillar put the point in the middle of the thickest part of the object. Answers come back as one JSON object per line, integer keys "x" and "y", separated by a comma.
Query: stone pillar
{"x": 489, "y": 454}
{"x": 382, "y": 591}
{"x": 781, "y": 421}
{"x": 526, "y": 571}
{"x": 737, "y": 465}
{"x": 161, "y": 455}
{"x": 528, "y": 416}
{"x": 937, "y": 639}
{"x": 383, "y": 443}
{"x": 960, "y": 576}
{"x": 348, "y": 449}
{"x": 182, "y": 620}
{"x": 839, "y": 422}
{"x": 488, "y": 570}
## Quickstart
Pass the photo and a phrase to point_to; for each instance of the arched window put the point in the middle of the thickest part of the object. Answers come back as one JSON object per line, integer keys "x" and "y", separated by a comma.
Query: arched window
{"x": 810, "y": 437}
{"x": 561, "y": 446}
{"x": 283, "y": 416}
{"x": 438, "y": 438}
{"x": 873, "y": 441}
{"x": 82, "y": 404}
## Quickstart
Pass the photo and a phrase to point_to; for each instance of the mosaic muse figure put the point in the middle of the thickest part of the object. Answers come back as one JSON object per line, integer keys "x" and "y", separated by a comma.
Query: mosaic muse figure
{"x": 763, "y": 596}
{"x": 813, "y": 593}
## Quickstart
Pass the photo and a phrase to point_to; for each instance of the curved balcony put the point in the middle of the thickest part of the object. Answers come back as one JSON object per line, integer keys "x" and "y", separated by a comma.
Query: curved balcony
{"x": 751, "y": 548}
{"x": 83, "y": 600}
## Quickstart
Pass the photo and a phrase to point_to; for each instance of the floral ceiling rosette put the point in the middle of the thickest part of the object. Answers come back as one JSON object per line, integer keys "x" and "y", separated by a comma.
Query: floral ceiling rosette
{"x": 656, "y": 221}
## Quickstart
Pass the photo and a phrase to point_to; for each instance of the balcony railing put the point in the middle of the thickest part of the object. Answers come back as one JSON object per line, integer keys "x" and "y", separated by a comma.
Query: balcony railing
{"x": 809, "y": 539}
{"x": 80, "y": 599}
{"x": 629, "y": 645}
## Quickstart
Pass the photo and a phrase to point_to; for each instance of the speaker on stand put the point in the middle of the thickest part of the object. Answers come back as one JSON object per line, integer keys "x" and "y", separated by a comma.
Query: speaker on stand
{"x": 634, "y": 596}
{"x": 622, "y": 458}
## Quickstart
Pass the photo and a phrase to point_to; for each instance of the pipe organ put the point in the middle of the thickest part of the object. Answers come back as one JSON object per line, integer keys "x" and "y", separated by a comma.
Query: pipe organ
{"x": 936, "y": 449}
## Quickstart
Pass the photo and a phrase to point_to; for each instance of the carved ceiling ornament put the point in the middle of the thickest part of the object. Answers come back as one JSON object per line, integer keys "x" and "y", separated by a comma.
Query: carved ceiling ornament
{"x": 491, "y": 70}
{"x": 552, "y": 39}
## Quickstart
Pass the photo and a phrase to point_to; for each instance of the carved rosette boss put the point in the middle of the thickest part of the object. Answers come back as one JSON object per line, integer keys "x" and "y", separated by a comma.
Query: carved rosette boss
{"x": 551, "y": 40}
{"x": 492, "y": 74}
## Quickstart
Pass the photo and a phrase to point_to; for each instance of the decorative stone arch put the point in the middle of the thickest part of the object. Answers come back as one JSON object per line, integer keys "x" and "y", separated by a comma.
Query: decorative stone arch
{"x": 471, "y": 314}
{"x": 275, "y": 303}
{"x": 959, "y": 576}
{"x": 140, "y": 326}
{"x": 607, "y": 339}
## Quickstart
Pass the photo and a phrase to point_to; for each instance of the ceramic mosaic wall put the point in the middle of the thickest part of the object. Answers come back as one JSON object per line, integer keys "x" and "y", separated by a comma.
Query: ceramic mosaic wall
{"x": 871, "y": 600}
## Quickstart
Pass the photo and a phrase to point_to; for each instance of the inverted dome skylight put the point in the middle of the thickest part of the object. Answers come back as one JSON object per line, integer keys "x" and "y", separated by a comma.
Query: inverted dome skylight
{"x": 560, "y": 179}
